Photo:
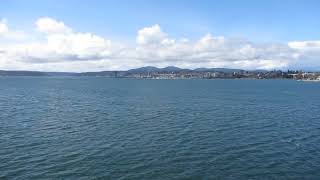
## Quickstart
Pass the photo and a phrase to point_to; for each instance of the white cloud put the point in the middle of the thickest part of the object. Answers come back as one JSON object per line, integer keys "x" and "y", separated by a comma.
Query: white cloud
{"x": 305, "y": 45}
{"x": 65, "y": 49}
{"x": 7, "y": 33}
{"x": 210, "y": 51}
{"x": 61, "y": 45}
{"x": 51, "y": 26}
{"x": 80, "y": 46}
{"x": 153, "y": 35}
{"x": 307, "y": 54}
{"x": 3, "y": 27}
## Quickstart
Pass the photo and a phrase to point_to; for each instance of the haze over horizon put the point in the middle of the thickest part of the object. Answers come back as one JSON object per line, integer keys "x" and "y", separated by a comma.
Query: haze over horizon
{"x": 77, "y": 36}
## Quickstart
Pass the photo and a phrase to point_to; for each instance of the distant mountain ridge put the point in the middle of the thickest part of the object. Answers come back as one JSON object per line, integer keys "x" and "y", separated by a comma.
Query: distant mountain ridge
{"x": 153, "y": 69}
{"x": 226, "y": 70}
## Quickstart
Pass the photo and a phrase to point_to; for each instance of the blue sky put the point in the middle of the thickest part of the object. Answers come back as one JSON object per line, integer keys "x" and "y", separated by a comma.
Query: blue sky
{"x": 272, "y": 20}
{"x": 74, "y": 35}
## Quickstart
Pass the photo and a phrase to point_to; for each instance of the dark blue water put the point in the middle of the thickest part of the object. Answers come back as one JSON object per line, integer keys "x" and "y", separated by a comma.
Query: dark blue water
{"x": 98, "y": 128}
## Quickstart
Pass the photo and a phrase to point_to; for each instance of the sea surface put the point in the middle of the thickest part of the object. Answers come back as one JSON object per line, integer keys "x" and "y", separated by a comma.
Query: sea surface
{"x": 101, "y": 128}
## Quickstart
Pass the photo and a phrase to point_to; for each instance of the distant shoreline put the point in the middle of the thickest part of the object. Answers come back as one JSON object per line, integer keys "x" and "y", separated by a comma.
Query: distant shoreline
{"x": 172, "y": 72}
{"x": 156, "y": 78}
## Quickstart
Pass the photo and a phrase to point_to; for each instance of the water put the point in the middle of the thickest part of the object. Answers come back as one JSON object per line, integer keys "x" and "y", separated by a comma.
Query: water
{"x": 99, "y": 128}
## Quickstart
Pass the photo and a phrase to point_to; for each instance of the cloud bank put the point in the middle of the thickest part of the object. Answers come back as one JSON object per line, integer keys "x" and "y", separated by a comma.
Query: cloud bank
{"x": 58, "y": 47}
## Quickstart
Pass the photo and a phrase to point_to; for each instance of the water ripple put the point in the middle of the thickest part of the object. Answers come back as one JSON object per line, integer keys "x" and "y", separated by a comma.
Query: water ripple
{"x": 98, "y": 128}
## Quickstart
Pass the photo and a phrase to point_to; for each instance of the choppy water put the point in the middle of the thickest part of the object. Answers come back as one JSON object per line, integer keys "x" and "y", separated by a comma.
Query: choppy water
{"x": 91, "y": 128}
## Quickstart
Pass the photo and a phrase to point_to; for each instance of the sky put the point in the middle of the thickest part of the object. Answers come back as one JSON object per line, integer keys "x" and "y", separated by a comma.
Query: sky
{"x": 96, "y": 35}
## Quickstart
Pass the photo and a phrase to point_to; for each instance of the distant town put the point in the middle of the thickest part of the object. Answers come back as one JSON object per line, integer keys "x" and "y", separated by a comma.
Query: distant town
{"x": 172, "y": 72}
